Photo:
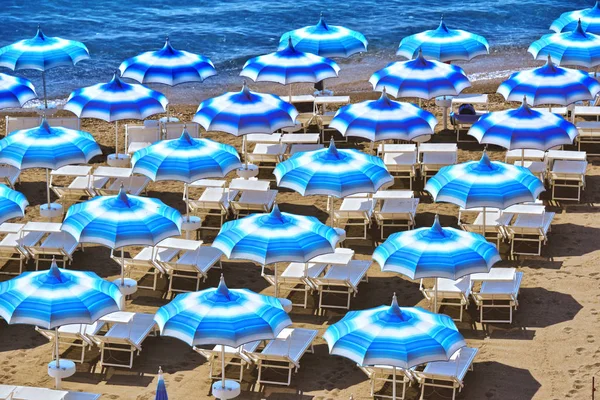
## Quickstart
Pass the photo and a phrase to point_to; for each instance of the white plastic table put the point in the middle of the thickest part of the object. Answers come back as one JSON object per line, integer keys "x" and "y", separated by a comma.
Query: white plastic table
{"x": 495, "y": 275}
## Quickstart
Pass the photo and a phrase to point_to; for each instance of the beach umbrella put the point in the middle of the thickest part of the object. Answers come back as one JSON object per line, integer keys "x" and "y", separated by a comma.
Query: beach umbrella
{"x": 288, "y": 65}
{"x": 114, "y": 101}
{"x": 15, "y": 91}
{"x": 400, "y": 337}
{"x": 42, "y": 53}
{"x": 332, "y": 172}
{"x": 589, "y": 17}
{"x": 484, "y": 183}
{"x": 421, "y": 78}
{"x": 12, "y": 203}
{"x": 549, "y": 84}
{"x": 383, "y": 119}
{"x": 48, "y": 147}
{"x": 325, "y": 40}
{"x": 523, "y": 128}
{"x": 444, "y": 44}
{"x": 571, "y": 48}
{"x": 275, "y": 237}
{"x": 122, "y": 220}
{"x": 222, "y": 316}
{"x": 185, "y": 159}
{"x": 436, "y": 252}
{"x": 161, "y": 389}
{"x": 57, "y": 297}
{"x": 167, "y": 66}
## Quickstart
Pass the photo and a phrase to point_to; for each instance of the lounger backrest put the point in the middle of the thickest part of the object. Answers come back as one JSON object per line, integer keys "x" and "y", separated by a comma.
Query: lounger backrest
{"x": 70, "y": 123}
{"x": 18, "y": 123}
{"x": 141, "y": 134}
{"x": 173, "y": 130}
{"x": 291, "y": 348}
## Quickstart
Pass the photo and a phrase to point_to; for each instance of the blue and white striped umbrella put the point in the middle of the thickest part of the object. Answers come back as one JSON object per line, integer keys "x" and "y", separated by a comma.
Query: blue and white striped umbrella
{"x": 444, "y": 44}
{"x": 395, "y": 336}
{"x": 229, "y": 317}
{"x": 333, "y": 172}
{"x": 276, "y": 237}
{"x": 325, "y": 40}
{"x": 436, "y": 252}
{"x": 420, "y": 78}
{"x": 15, "y": 91}
{"x": 289, "y": 65}
{"x": 570, "y": 48}
{"x": 549, "y": 84}
{"x": 523, "y": 128}
{"x": 122, "y": 220}
{"x": 590, "y": 20}
{"x": 383, "y": 119}
{"x": 161, "y": 388}
{"x": 167, "y": 66}
{"x": 185, "y": 159}
{"x": 484, "y": 183}
{"x": 12, "y": 203}
{"x": 244, "y": 112}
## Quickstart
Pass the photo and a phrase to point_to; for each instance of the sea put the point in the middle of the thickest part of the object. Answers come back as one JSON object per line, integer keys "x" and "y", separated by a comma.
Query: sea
{"x": 230, "y": 32}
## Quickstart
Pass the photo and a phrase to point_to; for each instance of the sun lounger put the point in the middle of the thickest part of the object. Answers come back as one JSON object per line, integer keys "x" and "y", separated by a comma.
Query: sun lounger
{"x": 264, "y": 153}
{"x": 13, "y": 244}
{"x": 69, "y": 122}
{"x": 396, "y": 213}
{"x": 6, "y": 391}
{"x": 253, "y": 196}
{"x": 146, "y": 262}
{"x": 233, "y": 356}
{"x": 537, "y": 168}
{"x": 18, "y": 123}
{"x": 173, "y": 130}
{"x": 214, "y": 200}
{"x": 530, "y": 228}
{"x": 74, "y": 335}
{"x": 528, "y": 155}
{"x": 54, "y": 243}
{"x": 284, "y": 353}
{"x": 447, "y": 374}
{"x": 138, "y": 137}
{"x": 80, "y": 188}
{"x": 498, "y": 294}
{"x": 10, "y": 392}
{"x": 568, "y": 174}
{"x": 384, "y": 373}
{"x": 125, "y": 338}
{"x": 589, "y": 133}
{"x": 449, "y": 293}
{"x": 342, "y": 279}
{"x": 299, "y": 148}
{"x": 9, "y": 175}
{"x": 432, "y": 163}
{"x": 298, "y": 277}
{"x": 495, "y": 223}
{"x": 133, "y": 184}
{"x": 355, "y": 210}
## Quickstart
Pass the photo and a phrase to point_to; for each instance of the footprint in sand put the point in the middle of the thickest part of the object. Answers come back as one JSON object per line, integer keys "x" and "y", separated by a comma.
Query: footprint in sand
{"x": 590, "y": 339}
{"x": 178, "y": 378}
{"x": 113, "y": 396}
{"x": 567, "y": 330}
{"x": 579, "y": 350}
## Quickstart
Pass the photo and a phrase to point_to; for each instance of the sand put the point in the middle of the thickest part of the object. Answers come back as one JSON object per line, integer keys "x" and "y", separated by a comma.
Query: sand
{"x": 549, "y": 352}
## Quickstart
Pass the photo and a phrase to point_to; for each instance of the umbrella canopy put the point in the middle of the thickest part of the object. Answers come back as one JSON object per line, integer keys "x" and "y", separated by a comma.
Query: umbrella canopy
{"x": 15, "y": 91}
{"x": 571, "y": 48}
{"x": 396, "y": 336}
{"x": 325, "y": 40}
{"x": 244, "y": 112}
{"x": 589, "y": 17}
{"x": 161, "y": 388}
{"x": 229, "y": 317}
{"x": 420, "y": 78}
{"x": 444, "y": 44}
{"x": 332, "y": 172}
{"x": 167, "y": 66}
{"x": 12, "y": 203}
{"x": 383, "y": 119}
{"x": 523, "y": 128}
{"x": 289, "y": 65}
{"x": 436, "y": 252}
{"x": 484, "y": 183}
{"x": 549, "y": 84}
{"x": 185, "y": 159}
{"x": 57, "y": 297}
{"x": 276, "y": 237}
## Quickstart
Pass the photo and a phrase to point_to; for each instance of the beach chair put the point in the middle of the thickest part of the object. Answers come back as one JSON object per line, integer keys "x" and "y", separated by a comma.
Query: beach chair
{"x": 233, "y": 357}
{"x": 284, "y": 353}
{"x": 384, "y": 373}
{"x": 214, "y": 200}
{"x": 355, "y": 210}
{"x": 55, "y": 245}
{"x": 9, "y": 175}
{"x": 19, "y": 123}
{"x": 528, "y": 155}
{"x": 530, "y": 228}
{"x": 68, "y": 122}
{"x": 125, "y": 338}
{"x": 454, "y": 293}
{"x": 298, "y": 277}
{"x": 537, "y": 168}
{"x": 81, "y": 187}
{"x": 74, "y": 335}
{"x": 13, "y": 245}
{"x": 495, "y": 223}
{"x": 138, "y": 137}
{"x": 589, "y": 132}
{"x": 6, "y": 391}
{"x": 400, "y": 160}
{"x": 447, "y": 374}
{"x": 299, "y": 148}
{"x": 253, "y": 196}
{"x": 432, "y": 162}
{"x": 146, "y": 262}
{"x": 396, "y": 213}
{"x": 173, "y": 130}
{"x": 498, "y": 294}
{"x": 267, "y": 153}
{"x": 567, "y": 174}
{"x": 343, "y": 280}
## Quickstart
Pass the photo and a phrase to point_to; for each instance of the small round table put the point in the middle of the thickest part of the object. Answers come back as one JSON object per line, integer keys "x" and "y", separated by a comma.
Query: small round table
{"x": 231, "y": 390}
{"x": 190, "y": 224}
{"x": 127, "y": 286}
{"x": 51, "y": 211}
{"x": 445, "y": 102}
{"x": 119, "y": 160}
{"x": 249, "y": 171}
{"x": 65, "y": 369}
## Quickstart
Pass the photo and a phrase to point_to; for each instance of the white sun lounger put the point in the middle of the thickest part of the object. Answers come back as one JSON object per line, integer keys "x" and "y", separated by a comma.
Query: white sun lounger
{"x": 214, "y": 200}
{"x": 264, "y": 153}
{"x": 298, "y": 277}
{"x": 495, "y": 223}
{"x": 126, "y": 338}
{"x": 74, "y": 335}
{"x": 254, "y": 195}
{"x": 433, "y": 162}
{"x": 284, "y": 353}
{"x": 400, "y": 160}
{"x": 133, "y": 184}
{"x": 384, "y": 373}
{"x": 10, "y": 392}
{"x": 146, "y": 262}
{"x": 69, "y": 122}
{"x": 18, "y": 123}
{"x": 527, "y": 154}
{"x": 568, "y": 174}
{"x": 396, "y": 213}
{"x": 537, "y": 168}
{"x": 342, "y": 279}
{"x": 80, "y": 188}
{"x": 355, "y": 210}
{"x": 6, "y": 391}
{"x": 173, "y": 130}
{"x": 450, "y": 292}
{"x": 498, "y": 294}
{"x": 138, "y": 137}
{"x": 530, "y": 228}
{"x": 9, "y": 175}
{"x": 13, "y": 244}
{"x": 299, "y": 148}
{"x": 54, "y": 243}
{"x": 589, "y": 132}
{"x": 447, "y": 374}
{"x": 233, "y": 356}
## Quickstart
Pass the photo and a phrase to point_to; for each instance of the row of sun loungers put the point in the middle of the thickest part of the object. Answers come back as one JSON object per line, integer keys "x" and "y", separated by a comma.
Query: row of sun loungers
{"x": 11, "y": 392}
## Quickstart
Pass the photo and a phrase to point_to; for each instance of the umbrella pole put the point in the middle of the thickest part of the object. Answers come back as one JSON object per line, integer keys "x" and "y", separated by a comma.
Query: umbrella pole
{"x": 330, "y": 205}
{"x": 57, "y": 379}
{"x": 435, "y": 294}
{"x": 394, "y": 384}
{"x": 244, "y": 150}
{"x": 123, "y": 266}
{"x": 522, "y": 157}
{"x": 187, "y": 202}
{"x": 48, "y": 187}
{"x": 290, "y": 94}
{"x": 223, "y": 366}
{"x": 276, "y": 287}
{"x": 117, "y": 139}
{"x": 484, "y": 224}
{"x": 44, "y": 84}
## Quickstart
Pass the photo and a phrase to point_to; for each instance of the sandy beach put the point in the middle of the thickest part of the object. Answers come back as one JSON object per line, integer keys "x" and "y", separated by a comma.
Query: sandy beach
{"x": 548, "y": 352}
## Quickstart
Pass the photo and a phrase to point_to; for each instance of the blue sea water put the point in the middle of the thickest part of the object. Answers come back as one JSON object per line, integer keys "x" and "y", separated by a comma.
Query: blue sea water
{"x": 229, "y": 32}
